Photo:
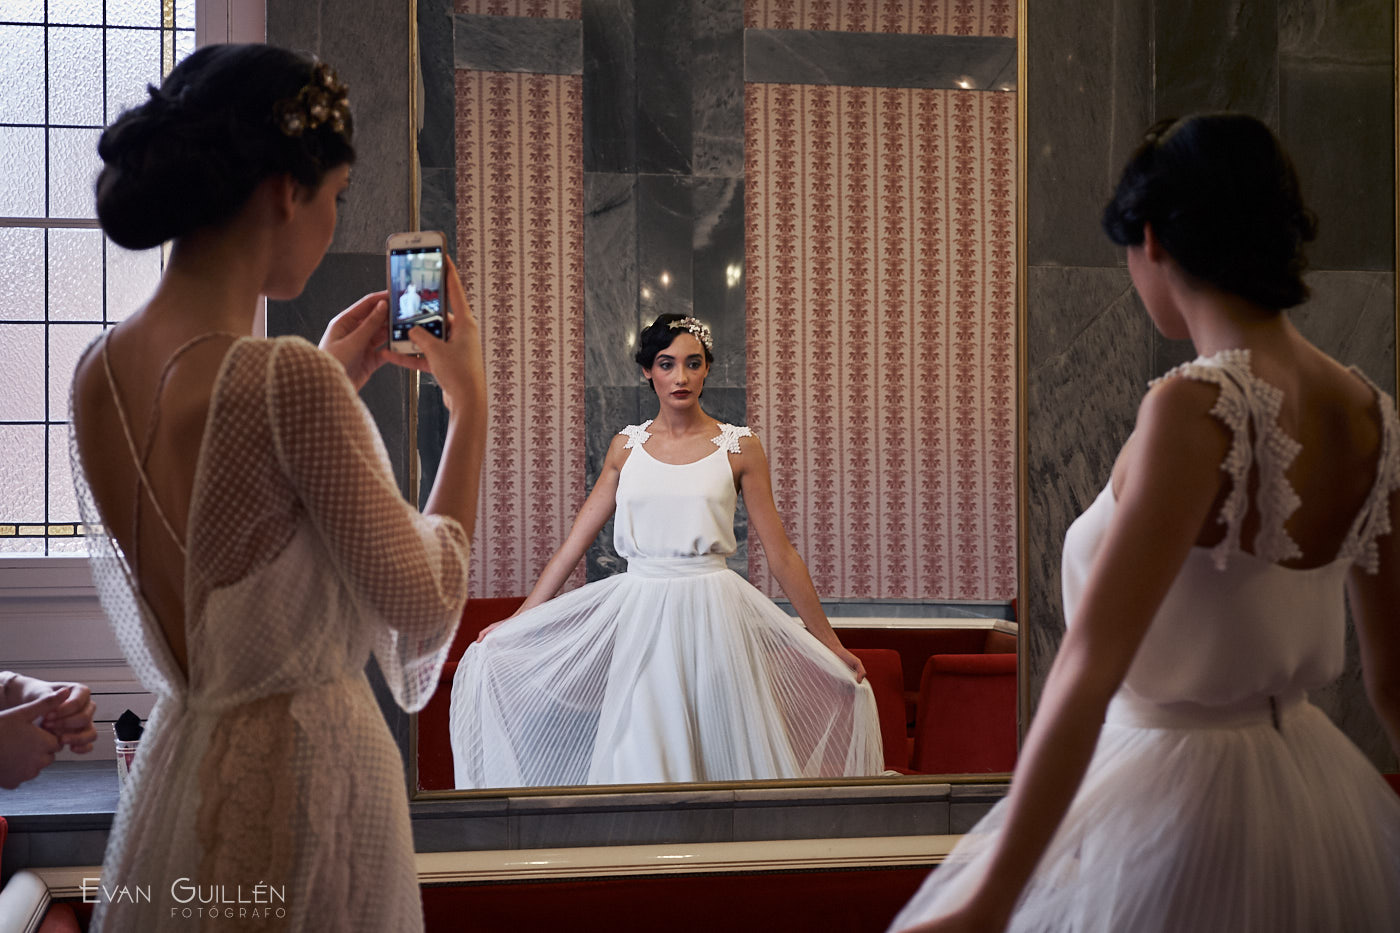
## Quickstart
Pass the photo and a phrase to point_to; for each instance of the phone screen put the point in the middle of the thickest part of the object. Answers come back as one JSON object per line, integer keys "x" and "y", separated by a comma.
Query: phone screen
{"x": 415, "y": 290}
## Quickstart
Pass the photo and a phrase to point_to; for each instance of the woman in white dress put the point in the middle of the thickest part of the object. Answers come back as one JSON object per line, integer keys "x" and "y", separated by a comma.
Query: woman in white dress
{"x": 252, "y": 549}
{"x": 678, "y": 669}
{"x": 1176, "y": 777}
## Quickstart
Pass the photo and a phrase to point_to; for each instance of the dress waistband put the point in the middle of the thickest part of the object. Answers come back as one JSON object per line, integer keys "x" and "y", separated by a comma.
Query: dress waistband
{"x": 1127, "y": 709}
{"x": 676, "y": 566}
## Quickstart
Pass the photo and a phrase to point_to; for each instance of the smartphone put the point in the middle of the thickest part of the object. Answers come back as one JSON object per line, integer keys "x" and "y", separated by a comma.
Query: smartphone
{"x": 416, "y": 297}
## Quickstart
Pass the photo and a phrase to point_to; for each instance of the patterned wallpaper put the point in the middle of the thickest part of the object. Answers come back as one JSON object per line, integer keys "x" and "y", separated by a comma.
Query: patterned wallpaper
{"x": 544, "y": 9}
{"x": 881, "y": 290}
{"x": 520, "y": 253}
{"x": 927, "y": 17}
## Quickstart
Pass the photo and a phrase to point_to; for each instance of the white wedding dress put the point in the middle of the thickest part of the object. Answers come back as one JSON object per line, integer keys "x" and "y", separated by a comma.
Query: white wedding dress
{"x": 1219, "y": 800}
{"x": 677, "y": 670}
{"x": 269, "y": 762}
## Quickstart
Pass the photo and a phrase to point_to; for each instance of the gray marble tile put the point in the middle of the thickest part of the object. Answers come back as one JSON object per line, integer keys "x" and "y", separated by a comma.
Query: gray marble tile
{"x": 725, "y": 404}
{"x": 838, "y": 820}
{"x": 1090, "y": 351}
{"x": 1216, "y": 56}
{"x": 609, "y": 86}
{"x": 610, "y": 278}
{"x": 717, "y": 128}
{"x": 665, "y": 234}
{"x": 664, "y": 81}
{"x": 436, "y": 145}
{"x": 607, "y": 409}
{"x": 1336, "y": 120}
{"x": 438, "y": 205}
{"x": 718, "y": 274}
{"x": 432, "y": 432}
{"x": 1351, "y": 315}
{"x": 373, "y": 61}
{"x": 518, "y": 43}
{"x": 1359, "y": 31}
{"x": 636, "y": 827}
{"x": 867, "y": 59}
{"x": 465, "y": 834}
{"x": 1090, "y": 87}
{"x": 340, "y": 280}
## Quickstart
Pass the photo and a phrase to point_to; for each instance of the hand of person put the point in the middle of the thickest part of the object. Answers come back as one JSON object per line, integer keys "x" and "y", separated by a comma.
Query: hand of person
{"x": 357, "y": 337}
{"x": 26, "y": 749}
{"x": 491, "y": 628}
{"x": 71, "y": 722}
{"x": 457, "y": 362}
{"x": 849, "y": 660}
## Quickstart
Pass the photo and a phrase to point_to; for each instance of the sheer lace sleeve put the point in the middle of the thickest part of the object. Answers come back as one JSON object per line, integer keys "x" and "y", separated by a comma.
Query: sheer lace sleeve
{"x": 406, "y": 570}
{"x": 1373, "y": 522}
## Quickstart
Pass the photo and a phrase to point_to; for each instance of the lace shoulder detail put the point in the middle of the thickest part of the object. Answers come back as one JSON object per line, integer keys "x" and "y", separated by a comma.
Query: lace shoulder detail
{"x": 728, "y": 437}
{"x": 1373, "y": 522}
{"x": 637, "y": 434}
{"x": 1249, "y": 406}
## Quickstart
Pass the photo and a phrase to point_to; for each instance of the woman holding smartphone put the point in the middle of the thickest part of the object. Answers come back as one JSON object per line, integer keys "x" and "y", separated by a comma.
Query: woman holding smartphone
{"x": 253, "y": 550}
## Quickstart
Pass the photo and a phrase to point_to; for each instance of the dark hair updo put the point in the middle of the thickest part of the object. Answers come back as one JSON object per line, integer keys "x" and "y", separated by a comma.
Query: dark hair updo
{"x": 658, "y": 335}
{"x": 191, "y": 155}
{"x": 1222, "y": 197}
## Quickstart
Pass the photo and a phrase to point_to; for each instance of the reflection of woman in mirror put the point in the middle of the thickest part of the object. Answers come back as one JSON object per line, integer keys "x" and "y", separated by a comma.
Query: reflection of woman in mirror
{"x": 253, "y": 549}
{"x": 1176, "y": 776}
{"x": 678, "y": 669}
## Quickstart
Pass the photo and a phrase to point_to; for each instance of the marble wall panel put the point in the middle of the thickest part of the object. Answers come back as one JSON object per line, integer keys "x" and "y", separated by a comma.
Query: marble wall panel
{"x": 786, "y": 56}
{"x": 881, "y": 294}
{"x": 1216, "y": 56}
{"x": 717, "y": 91}
{"x": 665, "y": 234}
{"x": 505, "y": 43}
{"x": 1090, "y": 98}
{"x": 1351, "y": 315}
{"x": 1337, "y": 120}
{"x": 665, "y": 79}
{"x": 609, "y": 86}
{"x": 1089, "y": 340}
{"x": 436, "y": 64}
{"x": 373, "y": 60}
{"x": 977, "y": 18}
{"x": 717, "y": 277}
{"x": 611, "y": 314}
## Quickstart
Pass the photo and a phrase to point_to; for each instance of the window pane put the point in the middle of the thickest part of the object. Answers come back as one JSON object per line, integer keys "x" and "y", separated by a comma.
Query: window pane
{"x": 133, "y": 12}
{"x": 184, "y": 44}
{"x": 22, "y": 274}
{"x": 75, "y": 83}
{"x": 75, "y": 275}
{"x": 21, "y": 378}
{"x": 63, "y": 504}
{"x": 21, "y": 474}
{"x": 66, "y": 343}
{"x": 87, "y": 12}
{"x": 184, "y": 15}
{"x": 133, "y": 61}
{"x": 73, "y": 169}
{"x": 22, "y": 73}
{"x": 131, "y": 277}
{"x": 22, "y": 181}
{"x": 26, "y": 11}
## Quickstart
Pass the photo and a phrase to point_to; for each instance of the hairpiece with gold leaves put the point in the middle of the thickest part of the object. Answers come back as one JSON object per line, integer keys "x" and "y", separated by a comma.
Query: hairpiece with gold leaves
{"x": 698, "y": 329}
{"x": 322, "y": 101}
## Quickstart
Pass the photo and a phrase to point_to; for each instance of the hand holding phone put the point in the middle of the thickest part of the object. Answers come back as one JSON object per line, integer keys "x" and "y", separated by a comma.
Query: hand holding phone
{"x": 416, "y": 287}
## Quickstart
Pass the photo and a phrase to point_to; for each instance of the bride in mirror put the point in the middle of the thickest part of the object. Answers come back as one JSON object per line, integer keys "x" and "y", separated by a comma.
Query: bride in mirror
{"x": 678, "y": 669}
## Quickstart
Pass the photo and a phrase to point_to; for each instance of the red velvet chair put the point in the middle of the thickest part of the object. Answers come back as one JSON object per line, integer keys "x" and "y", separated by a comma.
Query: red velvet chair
{"x": 967, "y": 715}
{"x": 885, "y": 672}
{"x": 434, "y": 737}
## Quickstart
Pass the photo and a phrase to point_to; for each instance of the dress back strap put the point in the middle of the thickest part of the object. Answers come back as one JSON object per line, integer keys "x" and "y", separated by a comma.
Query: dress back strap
{"x": 139, "y": 457}
{"x": 1373, "y": 521}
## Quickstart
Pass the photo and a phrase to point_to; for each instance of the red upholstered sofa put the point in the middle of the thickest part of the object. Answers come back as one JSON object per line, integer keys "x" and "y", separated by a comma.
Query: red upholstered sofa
{"x": 967, "y": 715}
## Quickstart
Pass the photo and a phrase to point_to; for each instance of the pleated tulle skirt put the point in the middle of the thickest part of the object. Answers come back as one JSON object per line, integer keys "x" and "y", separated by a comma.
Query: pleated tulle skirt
{"x": 1232, "y": 825}
{"x": 677, "y": 670}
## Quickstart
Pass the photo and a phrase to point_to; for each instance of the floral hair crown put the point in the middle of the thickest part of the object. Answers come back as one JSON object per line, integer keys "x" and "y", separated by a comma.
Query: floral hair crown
{"x": 698, "y": 329}
{"x": 323, "y": 101}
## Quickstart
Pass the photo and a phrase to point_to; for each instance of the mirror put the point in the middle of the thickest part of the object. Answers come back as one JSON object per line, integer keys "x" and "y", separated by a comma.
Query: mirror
{"x": 851, "y": 240}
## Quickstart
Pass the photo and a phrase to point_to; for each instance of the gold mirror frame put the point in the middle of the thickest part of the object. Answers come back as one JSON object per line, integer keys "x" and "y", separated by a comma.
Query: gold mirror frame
{"x": 1022, "y": 666}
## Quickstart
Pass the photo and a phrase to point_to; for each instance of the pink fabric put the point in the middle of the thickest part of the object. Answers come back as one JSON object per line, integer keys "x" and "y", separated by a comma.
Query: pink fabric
{"x": 520, "y": 253}
{"x": 881, "y": 291}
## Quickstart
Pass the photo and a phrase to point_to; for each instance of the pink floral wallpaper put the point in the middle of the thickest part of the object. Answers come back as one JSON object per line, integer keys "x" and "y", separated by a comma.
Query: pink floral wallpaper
{"x": 927, "y": 17}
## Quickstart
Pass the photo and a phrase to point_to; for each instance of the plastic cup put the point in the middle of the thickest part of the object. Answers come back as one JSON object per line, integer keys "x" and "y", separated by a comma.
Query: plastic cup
{"x": 126, "y": 754}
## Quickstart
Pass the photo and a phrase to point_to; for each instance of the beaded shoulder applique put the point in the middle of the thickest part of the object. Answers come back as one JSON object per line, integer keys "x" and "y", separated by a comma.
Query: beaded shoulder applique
{"x": 728, "y": 437}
